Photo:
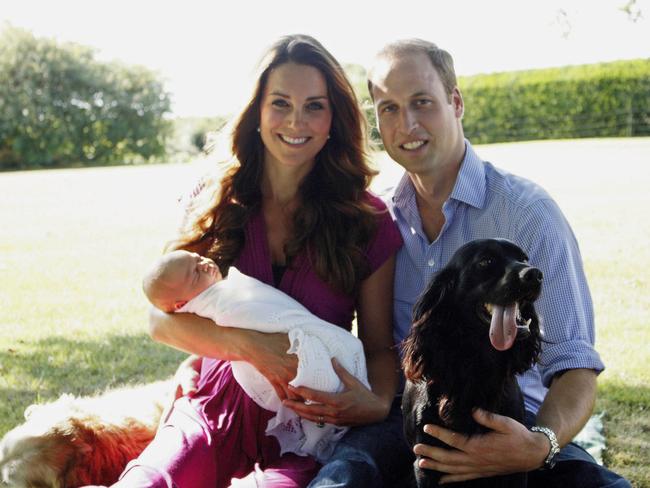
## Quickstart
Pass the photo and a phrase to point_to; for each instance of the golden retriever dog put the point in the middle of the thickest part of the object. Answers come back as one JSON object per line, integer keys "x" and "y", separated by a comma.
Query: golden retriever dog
{"x": 77, "y": 441}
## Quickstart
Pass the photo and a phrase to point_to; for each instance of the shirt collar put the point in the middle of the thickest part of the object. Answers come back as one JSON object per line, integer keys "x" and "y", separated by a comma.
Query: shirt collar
{"x": 470, "y": 186}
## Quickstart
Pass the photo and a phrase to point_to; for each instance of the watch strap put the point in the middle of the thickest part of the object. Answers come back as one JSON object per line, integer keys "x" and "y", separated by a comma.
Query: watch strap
{"x": 550, "y": 460}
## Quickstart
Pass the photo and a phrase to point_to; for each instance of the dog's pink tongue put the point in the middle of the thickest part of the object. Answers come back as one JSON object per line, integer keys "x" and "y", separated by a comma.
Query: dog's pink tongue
{"x": 503, "y": 327}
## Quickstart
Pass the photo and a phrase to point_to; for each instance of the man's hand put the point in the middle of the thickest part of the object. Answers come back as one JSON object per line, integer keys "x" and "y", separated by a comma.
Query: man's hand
{"x": 509, "y": 448}
{"x": 355, "y": 405}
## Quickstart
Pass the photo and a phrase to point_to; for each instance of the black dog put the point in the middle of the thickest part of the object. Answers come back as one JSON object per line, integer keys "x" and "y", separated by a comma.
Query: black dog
{"x": 474, "y": 329}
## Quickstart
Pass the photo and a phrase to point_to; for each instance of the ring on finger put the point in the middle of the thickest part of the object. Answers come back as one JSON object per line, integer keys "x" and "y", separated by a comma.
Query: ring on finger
{"x": 321, "y": 422}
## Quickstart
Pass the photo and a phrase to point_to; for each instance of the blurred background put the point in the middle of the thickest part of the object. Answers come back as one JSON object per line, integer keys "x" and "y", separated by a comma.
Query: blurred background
{"x": 98, "y": 82}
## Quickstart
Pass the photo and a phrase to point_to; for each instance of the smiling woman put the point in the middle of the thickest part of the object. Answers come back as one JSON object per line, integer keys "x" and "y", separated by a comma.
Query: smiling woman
{"x": 294, "y": 212}
{"x": 295, "y": 117}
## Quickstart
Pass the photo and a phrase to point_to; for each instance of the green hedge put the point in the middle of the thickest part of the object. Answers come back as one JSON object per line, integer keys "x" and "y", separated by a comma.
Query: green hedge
{"x": 597, "y": 100}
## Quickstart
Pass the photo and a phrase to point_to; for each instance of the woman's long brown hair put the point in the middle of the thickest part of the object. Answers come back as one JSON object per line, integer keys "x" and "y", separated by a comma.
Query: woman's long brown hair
{"x": 334, "y": 221}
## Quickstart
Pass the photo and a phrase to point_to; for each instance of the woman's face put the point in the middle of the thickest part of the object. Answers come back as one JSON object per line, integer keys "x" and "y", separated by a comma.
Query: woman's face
{"x": 295, "y": 116}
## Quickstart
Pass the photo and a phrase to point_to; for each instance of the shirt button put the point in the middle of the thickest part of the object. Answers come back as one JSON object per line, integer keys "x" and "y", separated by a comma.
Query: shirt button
{"x": 431, "y": 262}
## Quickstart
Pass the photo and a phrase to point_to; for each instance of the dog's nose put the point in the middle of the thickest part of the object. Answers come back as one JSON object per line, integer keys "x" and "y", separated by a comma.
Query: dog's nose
{"x": 531, "y": 275}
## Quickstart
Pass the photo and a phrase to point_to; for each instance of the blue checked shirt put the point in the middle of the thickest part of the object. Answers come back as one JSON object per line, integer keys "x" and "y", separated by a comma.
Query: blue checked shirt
{"x": 488, "y": 202}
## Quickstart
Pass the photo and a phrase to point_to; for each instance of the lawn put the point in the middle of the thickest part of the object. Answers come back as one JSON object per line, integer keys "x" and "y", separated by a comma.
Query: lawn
{"x": 75, "y": 243}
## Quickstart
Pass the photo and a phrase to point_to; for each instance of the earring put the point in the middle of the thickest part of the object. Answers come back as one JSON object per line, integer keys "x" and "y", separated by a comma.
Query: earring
{"x": 328, "y": 136}
{"x": 258, "y": 129}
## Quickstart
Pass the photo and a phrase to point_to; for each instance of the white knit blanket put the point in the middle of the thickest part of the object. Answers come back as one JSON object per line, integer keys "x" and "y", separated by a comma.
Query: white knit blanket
{"x": 244, "y": 302}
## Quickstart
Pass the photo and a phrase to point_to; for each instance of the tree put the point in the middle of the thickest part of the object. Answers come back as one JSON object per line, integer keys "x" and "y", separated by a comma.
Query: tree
{"x": 630, "y": 8}
{"x": 61, "y": 107}
{"x": 359, "y": 81}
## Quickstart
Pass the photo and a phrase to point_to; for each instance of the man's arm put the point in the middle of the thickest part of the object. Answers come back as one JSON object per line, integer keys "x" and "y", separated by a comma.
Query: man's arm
{"x": 569, "y": 362}
{"x": 511, "y": 447}
{"x": 569, "y": 403}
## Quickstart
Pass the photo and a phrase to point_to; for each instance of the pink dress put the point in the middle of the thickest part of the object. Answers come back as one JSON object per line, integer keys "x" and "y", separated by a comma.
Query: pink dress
{"x": 218, "y": 434}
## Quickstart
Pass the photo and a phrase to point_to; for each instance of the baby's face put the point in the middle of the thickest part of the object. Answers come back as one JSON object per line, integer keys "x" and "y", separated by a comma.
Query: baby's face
{"x": 194, "y": 273}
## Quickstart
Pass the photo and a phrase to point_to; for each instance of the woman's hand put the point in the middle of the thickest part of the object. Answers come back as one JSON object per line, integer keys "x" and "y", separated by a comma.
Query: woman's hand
{"x": 197, "y": 335}
{"x": 355, "y": 405}
{"x": 186, "y": 378}
{"x": 184, "y": 382}
{"x": 269, "y": 356}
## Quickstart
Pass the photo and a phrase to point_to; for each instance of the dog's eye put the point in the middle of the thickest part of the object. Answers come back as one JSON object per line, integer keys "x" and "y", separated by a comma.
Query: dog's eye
{"x": 484, "y": 263}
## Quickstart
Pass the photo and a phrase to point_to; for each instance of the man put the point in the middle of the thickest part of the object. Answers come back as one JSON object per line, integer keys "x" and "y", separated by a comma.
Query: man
{"x": 449, "y": 196}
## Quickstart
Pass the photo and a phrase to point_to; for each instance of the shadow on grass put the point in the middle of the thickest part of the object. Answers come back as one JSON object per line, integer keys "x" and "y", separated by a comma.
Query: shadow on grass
{"x": 627, "y": 429}
{"x": 56, "y": 365}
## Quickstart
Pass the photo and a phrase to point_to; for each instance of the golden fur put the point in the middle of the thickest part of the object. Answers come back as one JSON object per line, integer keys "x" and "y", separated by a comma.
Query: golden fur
{"x": 76, "y": 441}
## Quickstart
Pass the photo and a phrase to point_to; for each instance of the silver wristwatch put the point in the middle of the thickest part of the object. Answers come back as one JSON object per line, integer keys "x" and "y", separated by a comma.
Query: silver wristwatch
{"x": 550, "y": 460}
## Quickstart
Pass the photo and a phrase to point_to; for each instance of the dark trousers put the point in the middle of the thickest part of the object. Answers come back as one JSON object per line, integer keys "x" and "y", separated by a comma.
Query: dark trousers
{"x": 377, "y": 456}
{"x": 575, "y": 468}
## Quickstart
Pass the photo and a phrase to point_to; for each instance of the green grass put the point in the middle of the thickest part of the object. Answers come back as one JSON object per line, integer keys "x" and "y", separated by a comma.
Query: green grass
{"x": 75, "y": 243}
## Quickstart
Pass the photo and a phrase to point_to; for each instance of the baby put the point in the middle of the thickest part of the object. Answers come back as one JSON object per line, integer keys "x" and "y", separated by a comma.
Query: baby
{"x": 186, "y": 282}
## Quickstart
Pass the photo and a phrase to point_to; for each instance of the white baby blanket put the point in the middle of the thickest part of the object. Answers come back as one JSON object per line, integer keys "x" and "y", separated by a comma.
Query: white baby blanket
{"x": 244, "y": 302}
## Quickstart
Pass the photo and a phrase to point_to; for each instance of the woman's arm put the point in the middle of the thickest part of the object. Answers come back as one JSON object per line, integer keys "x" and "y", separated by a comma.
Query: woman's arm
{"x": 357, "y": 405}
{"x": 196, "y": 335}
{"x": 200, "y": 336}
{"x": 375, "y": 329}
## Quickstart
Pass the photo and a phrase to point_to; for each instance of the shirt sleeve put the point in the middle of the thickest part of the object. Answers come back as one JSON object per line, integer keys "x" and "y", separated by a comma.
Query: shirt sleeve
{"x": 565, "y": 306}
{"x": 387, "y": 239}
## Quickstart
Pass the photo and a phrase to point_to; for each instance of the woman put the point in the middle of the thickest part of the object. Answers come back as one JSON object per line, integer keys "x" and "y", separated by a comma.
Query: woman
{"x": 292, "y": 211}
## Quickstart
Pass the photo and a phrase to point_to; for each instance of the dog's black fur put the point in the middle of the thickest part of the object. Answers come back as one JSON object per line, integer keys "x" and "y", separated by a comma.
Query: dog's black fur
{"x": 450, "y": 364}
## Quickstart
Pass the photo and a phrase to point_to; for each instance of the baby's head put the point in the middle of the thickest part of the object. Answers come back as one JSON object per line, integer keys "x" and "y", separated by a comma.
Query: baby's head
{"x": 177, "y": 277}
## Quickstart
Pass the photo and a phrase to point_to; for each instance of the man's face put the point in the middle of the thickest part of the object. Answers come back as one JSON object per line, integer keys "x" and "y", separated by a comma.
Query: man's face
{"x": 419, "y": 123}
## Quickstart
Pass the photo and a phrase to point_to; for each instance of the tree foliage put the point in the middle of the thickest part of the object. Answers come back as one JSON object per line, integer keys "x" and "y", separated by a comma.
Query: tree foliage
{"x": 359, "y": 81}
{"x": 59, "y": 106}
{"x": 192, "y": 136}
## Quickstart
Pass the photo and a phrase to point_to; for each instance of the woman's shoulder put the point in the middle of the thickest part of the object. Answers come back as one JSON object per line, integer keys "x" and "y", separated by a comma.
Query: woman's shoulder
{"x": 376, "y": 202}
{"x": 387, "y": 238}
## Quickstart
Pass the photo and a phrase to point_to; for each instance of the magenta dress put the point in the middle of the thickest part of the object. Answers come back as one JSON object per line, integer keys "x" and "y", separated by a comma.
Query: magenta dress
{"x": 219, "y": 434}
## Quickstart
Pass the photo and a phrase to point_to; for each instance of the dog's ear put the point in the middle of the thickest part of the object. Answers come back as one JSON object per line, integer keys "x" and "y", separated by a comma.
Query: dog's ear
{"x": 436, "y": 294}
{"x": 430, "y": 309}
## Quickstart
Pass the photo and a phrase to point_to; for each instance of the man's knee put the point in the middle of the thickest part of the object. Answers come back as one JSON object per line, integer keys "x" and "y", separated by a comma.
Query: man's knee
{"x": 577, "y": 474}
{"x": 338, "y": 473}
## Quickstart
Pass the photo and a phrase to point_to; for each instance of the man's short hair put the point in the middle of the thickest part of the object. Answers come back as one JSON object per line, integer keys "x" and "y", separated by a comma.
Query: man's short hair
{"x": 441, "y": 60}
